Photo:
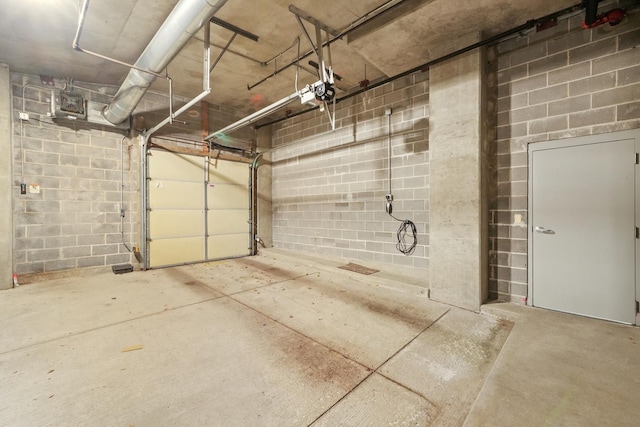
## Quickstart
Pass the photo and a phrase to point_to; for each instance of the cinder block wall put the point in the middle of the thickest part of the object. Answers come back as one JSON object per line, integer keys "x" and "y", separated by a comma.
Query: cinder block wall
{"x": 329, "y": 187}
{"x": 73, "y": 223}
{"x": 558, "y": 83}
{"x": 70, "y": 217}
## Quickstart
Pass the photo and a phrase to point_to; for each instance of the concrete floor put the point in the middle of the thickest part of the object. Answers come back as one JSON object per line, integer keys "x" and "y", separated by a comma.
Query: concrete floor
{"x": 275, "y": 340}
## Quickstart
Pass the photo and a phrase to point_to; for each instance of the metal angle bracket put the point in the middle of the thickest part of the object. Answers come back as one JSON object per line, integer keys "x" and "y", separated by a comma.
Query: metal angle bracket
{"x": 234, "y": 29}
{"x": 324, "y": 92}
{"x": 206, "y": 86}
{"x": 304, "y": 15}
{"x": 236, "y": 32}
{"x": 318, "y": 46}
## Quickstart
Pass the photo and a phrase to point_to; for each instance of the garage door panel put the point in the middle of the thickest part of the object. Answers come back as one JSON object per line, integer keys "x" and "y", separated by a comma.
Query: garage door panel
{"x": 175, "y": 223}
{"x": 228, "y": 245}
{"x": 178, "y": 231}
{"x": 227, "y": 197}
{"x": 222, "y": 172}
{"x": 165, "y": 194}
{"x": 229, "y": 221}
{"x": 176, "y": 251}
{"x": 166, "y": 165}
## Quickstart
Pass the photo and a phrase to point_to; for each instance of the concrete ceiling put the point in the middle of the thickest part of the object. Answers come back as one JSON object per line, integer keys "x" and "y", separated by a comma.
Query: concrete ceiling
{"x": 36, "y": 37}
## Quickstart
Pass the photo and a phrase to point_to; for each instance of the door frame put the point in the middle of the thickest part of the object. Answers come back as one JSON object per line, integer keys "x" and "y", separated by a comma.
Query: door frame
{"x": 574, "y": 142}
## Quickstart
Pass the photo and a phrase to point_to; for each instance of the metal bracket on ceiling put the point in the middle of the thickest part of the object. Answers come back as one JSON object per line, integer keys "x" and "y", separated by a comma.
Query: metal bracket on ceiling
{"x": 236, "y": 32}
{"x": 324, "y": 74}
{"x": 277, "y": 70}
{"x": 315, "y": 65}
{"x": 304, "y": 15}
{"x": 324, "y": 92}
{"x": 206, "y": 87}
{"x": 234, "y": 29}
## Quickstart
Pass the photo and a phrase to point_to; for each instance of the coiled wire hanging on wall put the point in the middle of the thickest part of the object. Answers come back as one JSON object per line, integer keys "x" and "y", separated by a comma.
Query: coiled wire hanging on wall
{"x": 406, "y": 228}
{"x": 407, "y": 233}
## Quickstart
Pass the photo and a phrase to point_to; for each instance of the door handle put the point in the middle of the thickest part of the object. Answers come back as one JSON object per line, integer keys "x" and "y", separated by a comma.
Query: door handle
{"x": 543, "y": 230}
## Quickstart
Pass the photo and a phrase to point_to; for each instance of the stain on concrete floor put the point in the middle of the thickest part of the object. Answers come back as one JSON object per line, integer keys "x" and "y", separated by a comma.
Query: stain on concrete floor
{"x": 252, "y": 341}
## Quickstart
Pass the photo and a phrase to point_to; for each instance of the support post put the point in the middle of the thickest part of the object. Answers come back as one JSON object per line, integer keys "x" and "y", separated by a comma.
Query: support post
{"x": 6, "y": 180}
{"x": 458, "y": 224}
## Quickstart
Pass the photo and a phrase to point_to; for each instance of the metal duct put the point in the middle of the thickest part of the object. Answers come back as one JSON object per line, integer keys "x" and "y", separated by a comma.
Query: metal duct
{"x": 186, "y": 18}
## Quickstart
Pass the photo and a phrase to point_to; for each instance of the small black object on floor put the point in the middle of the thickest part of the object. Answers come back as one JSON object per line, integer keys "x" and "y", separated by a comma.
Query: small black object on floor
{"x": 122, "y": 268}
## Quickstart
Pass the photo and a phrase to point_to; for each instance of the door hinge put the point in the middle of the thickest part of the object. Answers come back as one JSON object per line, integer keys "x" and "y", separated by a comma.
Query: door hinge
{"x": 637, "y": 158}
{"x": 637, "y": 233}
{"x": 637, "y": 307}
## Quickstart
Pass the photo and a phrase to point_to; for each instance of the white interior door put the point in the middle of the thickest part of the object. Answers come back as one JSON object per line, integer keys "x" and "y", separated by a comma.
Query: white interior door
{"x": 582, "y": 227}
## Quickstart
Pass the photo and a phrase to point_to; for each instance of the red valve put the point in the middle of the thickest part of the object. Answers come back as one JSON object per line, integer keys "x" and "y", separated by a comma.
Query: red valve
{"x": 613, "y": 17}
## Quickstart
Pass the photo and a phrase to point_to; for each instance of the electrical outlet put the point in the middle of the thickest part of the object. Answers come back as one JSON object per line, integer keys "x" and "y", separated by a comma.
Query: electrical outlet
{"x": 389, "y": 205}
{"x": 23, "y": 116}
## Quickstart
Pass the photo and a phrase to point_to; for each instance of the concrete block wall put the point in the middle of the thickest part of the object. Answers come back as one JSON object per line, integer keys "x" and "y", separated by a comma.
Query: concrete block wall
{"x": 558, "y": 83}
{"x": 69, "y": 219}
{"x": 73, "y": 222}
{"x": 329, "y": 187}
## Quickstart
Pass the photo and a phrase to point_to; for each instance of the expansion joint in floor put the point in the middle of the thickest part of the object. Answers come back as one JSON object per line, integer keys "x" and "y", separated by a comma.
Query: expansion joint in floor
{"x": 377, "y": 371}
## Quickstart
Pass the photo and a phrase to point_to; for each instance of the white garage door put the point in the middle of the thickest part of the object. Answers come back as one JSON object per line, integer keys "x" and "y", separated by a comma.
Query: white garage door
{"x": 198, "y": 209}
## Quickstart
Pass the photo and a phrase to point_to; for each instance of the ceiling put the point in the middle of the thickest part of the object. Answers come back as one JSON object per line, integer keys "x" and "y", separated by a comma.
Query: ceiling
{"x": 36, "y": 38}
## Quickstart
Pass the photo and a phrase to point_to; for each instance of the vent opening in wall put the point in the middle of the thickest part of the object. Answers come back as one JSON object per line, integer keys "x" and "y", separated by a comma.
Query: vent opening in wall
{"x": 65, "y": 104}
{"x": 71, "y": 106}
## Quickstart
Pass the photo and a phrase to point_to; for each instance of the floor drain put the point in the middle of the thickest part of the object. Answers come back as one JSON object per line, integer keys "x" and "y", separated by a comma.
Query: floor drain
{"x": 358, "y": 268}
